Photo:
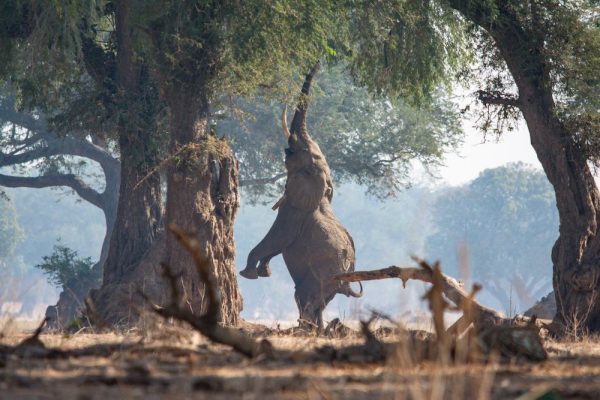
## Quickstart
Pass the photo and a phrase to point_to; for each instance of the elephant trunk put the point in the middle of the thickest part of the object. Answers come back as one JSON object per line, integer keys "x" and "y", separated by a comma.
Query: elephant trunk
{"x": 299, "y": 121}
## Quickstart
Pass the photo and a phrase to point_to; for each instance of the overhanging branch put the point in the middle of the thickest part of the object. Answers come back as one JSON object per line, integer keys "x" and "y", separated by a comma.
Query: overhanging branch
{"x": 262, "y": 181}
{"x": 43, "y": 181}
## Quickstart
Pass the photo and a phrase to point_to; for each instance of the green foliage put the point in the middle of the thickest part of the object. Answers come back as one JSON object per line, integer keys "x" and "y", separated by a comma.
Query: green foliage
{"x": 406, "y": 48}
{"x": 507, "y": 219}
{"x": 65, "y": 269}
{"x": 231, "y": 47}
{"x": 11, "y": 233}
{"x": 366, "y": 140}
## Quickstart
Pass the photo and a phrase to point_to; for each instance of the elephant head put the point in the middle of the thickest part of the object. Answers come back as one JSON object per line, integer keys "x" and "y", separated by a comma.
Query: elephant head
{"x": 314, "y": 244}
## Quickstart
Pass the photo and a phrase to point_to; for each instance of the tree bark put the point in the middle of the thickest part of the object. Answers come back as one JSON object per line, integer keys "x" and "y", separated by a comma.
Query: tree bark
{"x": 139, "y": 210}
{"x": 202, "y": 198}
{"x": 576, "y": 253}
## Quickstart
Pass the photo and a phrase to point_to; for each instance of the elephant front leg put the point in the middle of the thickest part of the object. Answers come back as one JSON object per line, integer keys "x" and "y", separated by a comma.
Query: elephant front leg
{"x": 282, "y": 233}
{"x": 263, "y": 270}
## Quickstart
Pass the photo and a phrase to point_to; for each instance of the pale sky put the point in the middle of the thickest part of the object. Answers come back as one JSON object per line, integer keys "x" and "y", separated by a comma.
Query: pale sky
{"x": 476, "y": 155}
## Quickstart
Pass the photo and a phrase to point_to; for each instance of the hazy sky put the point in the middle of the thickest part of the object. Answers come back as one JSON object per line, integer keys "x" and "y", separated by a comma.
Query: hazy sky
{"x": 476, "y": 155}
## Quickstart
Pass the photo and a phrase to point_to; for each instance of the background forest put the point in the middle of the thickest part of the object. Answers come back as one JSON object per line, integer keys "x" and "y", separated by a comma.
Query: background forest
{"x": 504, "y": 207}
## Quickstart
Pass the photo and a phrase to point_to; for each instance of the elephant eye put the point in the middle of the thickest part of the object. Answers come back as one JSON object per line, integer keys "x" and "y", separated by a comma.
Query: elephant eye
{"x": 289, "y": 152}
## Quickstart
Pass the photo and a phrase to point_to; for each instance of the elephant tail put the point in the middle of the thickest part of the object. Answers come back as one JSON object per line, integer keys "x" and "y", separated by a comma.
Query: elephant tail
{"x": 349, "y": 292}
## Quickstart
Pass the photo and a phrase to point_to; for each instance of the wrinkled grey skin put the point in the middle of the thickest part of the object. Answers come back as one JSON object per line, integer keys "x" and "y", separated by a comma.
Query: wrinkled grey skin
{"x": 314, "y": 244}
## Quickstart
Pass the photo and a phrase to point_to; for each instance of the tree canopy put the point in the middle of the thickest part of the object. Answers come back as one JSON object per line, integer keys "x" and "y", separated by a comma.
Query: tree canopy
{"x": 371, "y": 141}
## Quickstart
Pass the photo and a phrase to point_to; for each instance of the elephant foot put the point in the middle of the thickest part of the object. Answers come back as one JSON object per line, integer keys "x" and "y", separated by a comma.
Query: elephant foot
{"x": 264, "y": 270}
{"x": 249, "y": 273}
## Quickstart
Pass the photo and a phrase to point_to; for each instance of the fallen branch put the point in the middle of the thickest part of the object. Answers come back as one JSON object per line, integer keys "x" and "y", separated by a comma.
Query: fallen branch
{"x": 491, "y": 333}
{"x": 452, "y": 289}
{"x": 34, "y": 339}
{"x": 206, "y": 324}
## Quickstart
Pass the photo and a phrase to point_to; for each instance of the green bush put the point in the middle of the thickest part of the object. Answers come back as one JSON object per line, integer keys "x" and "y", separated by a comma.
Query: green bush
{"x": 65, "y": 269}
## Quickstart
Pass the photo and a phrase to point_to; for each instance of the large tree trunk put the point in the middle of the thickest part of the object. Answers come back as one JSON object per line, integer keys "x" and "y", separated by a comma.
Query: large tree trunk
{"x": 576, "y": 253}
{"x": 202, "y": 198}
{"x": 139, "y": 211}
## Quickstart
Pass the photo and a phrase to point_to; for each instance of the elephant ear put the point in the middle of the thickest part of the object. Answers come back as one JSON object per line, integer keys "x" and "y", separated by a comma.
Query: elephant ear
{"x": 305, "y": 189}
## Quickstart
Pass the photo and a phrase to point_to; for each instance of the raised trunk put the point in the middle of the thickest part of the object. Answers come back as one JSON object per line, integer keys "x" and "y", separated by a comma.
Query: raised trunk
{"x": 202, "y": 198}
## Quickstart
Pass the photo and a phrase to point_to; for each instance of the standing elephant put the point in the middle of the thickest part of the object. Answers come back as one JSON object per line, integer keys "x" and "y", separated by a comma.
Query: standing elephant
{"x": 314, "y": 244}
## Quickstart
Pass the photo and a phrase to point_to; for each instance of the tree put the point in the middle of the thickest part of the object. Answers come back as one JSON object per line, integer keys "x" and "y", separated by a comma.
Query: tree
{"x": 200, "y": 51}
{"x": 371, "y": 141}
{"x": 28, "y": 146}
{"x": 539, "y": 61}
{"x": 85, "y": 79}
{"x": 507, "y": 221}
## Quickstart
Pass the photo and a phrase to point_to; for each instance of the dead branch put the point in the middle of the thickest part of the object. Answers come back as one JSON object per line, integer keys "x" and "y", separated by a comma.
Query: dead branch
{"x": 452, "y": 289}
{"x": 206, "y": 324}
{"x": 494, "y": 97}
{"x": 492, "y": 332}
{"x": 34, "y": 339}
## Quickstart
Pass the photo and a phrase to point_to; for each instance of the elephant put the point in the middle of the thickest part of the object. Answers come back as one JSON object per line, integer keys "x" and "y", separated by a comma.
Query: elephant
{"x": 314, "y": 244}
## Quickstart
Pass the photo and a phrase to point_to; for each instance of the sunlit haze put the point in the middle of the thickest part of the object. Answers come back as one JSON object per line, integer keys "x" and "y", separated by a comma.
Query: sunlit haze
{"x": 477, "y": 154}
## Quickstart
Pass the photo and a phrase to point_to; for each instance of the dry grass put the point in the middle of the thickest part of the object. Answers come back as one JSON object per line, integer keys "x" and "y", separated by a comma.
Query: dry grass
{"x": 175, "y": 362}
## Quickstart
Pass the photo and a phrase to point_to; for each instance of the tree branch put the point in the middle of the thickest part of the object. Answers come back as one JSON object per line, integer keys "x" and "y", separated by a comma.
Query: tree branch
{"x": 494, "y": 97}
{"x": 262, "y": 181}
{"x": 451, "y": 288}
{"x": 63, "y": 146}
{"x": 43, "y": 181}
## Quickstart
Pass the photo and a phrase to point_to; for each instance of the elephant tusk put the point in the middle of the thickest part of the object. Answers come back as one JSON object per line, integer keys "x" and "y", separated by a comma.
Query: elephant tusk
{"x": 286, "y": 131}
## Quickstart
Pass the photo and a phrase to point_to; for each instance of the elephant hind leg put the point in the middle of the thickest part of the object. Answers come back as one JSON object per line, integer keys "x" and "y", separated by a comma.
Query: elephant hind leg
{"x": 311, "y": 305}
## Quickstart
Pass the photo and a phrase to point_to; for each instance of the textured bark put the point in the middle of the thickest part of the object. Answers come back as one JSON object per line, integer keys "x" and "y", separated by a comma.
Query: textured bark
{"x": 202, "y": 198}
{"x": 576, "y": 253}
{"x": 139, "y": 210}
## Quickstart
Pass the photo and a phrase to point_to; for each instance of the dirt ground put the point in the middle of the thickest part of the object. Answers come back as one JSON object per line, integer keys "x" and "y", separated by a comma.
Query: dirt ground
{"x": 174, "y": 363}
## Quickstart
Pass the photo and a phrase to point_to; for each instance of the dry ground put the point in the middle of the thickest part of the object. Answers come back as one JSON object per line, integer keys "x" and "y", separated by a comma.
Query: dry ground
{"x": 174, "y": 363}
